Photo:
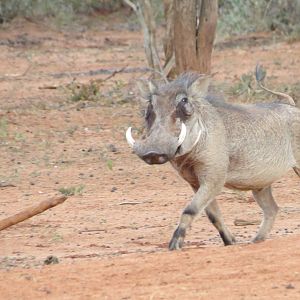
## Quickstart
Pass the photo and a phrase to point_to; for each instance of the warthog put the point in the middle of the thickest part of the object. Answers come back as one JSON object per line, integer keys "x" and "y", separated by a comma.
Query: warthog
{"x": 214, "y": 144}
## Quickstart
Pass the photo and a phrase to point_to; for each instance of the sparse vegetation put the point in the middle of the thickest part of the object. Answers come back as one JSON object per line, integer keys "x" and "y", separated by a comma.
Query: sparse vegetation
{"x": 72, "y": 190}
{"x": 245, "y": 90}
{"x": 92, "y": 91}
{"x": 19, "y": 137}
{"x": 109, "y": 164}
{"x": 84, "y": 92}
{"x": 57, "y": 237}
{"x": 3, "y": 128}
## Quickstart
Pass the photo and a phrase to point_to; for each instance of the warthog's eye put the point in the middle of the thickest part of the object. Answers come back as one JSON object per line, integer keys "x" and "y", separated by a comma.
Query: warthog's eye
{"x": 184, "y": 100}
{"x": 184, "y": 108}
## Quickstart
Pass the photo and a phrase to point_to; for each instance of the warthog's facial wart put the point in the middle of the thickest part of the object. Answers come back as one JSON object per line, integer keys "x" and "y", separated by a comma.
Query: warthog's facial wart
{"x": 169, "y": 108}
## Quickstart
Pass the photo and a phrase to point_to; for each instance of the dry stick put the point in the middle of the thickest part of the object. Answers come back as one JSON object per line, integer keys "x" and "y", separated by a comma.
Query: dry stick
{"x": 143, "y": 10}
{"x": 4, "y": 185}
{"x": 92, "y": 230}
{"x": 241, "y": 222}
{"x": 48, "y": 87}
{"x": 113, "y": 74}
{"x": 130, "y": 203}
{"x": 31, "y": 211}
{"x": 53, "y": 87}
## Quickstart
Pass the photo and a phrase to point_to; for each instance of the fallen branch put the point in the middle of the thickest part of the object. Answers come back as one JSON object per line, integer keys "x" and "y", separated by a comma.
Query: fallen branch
{"x": 31, "y": 211}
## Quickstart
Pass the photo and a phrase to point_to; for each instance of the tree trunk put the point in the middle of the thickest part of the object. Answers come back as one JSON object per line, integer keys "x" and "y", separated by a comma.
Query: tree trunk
{"x": 206, "y": 34}
{"x": 185, "y": 35}
{"x": 169, "y": 65}
{"x": 194, "y": 32}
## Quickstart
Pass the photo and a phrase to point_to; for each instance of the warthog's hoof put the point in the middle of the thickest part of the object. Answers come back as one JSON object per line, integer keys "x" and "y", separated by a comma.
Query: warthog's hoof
{"x": 258, "y": 239}
{"x": 228, "y": 239}
{"x": 176, "y": 242}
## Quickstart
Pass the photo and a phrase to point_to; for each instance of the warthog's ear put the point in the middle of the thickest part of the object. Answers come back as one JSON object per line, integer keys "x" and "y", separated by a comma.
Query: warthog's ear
{"x": 146, "y": 88}
{"x": 200, "y": 86}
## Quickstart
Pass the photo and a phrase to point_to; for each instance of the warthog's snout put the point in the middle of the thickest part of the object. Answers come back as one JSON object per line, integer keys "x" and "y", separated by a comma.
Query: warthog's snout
{"x": 159, "y": 148}
{"x": 155, "y": 158}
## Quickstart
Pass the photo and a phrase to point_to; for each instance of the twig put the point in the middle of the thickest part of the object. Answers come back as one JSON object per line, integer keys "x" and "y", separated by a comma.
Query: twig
{"x": 169, "y": 65}
{"x": 113, "y": 74}
{"x": 267, "y": 8}
{"x": 130, "y": 203}
{"x": 4, "y": 185}
{"x": 241, "y": 222}
{"x": 48, "y": 87}
{"x": 31, "y": 211}
{"x": 144, "y": 12}
{"x": 92, "y": 230}
{"x": 78, "y": 74}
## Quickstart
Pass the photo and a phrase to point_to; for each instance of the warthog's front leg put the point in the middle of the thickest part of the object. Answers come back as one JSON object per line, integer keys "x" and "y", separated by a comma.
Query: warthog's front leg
{"x": 200, "y": 201}
{"x": 269, "y": 207}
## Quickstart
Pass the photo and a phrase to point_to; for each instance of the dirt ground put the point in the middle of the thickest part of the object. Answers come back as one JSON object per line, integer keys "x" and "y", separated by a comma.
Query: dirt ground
{"x": 111, "y": 237}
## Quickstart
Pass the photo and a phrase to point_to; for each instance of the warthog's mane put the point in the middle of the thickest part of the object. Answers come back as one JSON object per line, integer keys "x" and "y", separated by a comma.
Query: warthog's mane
{"x": 213, "y": 98}
{"x": 180, "y": 84}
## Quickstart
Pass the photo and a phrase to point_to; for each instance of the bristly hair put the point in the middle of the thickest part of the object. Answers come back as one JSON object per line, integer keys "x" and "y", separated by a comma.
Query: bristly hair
{"x": 180, "y": 84}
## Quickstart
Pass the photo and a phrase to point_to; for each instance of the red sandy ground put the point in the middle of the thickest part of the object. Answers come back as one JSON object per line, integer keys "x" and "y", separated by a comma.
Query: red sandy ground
{"x": 111, "y": 241}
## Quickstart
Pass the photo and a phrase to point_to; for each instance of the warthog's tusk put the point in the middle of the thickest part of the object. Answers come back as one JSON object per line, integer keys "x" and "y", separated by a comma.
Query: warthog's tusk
{"x": 182, "y": 134}
{"x": 129, "y": 137}
{"x": 197, "y": 140}
{"x": 202, "y": 129}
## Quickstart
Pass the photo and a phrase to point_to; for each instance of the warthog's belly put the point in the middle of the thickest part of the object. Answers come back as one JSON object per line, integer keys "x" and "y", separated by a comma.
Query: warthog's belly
{"x": 253, "y": 179}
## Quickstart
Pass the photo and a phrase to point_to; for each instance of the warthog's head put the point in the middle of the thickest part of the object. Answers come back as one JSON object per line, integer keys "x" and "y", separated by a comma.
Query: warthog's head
{"x": 173, "y": 123}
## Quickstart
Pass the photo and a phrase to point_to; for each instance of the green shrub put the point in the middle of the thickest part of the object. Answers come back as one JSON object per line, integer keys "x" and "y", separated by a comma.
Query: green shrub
{"x": 238, "y": 16}
{"x": 61, "y": 9}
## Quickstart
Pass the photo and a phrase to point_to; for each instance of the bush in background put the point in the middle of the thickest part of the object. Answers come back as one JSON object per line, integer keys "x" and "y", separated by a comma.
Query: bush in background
{"x": 235, "y": 16}
{"x": 239, "y": 16}
{"x": 67, "y": 9}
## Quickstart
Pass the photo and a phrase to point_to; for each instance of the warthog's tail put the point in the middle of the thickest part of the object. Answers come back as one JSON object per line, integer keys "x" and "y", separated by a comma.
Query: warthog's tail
{"x": 260, "y": 74}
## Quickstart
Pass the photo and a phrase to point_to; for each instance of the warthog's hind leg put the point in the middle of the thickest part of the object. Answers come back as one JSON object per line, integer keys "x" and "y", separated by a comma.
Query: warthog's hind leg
{"x": 214, "y": 215}
{"x": 269, "y": 207}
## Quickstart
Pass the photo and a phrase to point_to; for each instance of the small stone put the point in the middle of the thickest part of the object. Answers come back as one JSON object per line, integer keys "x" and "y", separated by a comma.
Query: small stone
{"x": 51, "y": 260}
{"x": 113, "y": 189}
{"x": 112, "y": 148}
{"x": 289, "y": 286}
